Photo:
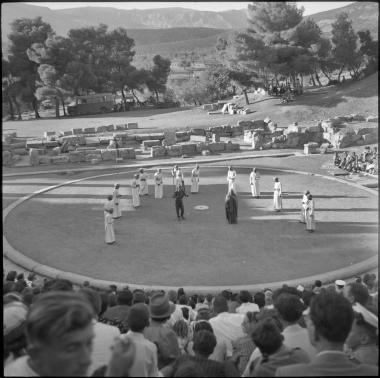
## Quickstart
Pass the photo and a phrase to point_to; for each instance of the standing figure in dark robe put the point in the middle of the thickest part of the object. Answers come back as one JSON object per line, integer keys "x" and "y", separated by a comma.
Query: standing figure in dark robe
{"x": 231, "y": 205}
{"x": 178, "y": 195}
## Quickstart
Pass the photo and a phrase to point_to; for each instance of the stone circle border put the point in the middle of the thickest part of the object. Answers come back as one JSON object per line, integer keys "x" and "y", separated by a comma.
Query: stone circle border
{"x": 78, "y": 279}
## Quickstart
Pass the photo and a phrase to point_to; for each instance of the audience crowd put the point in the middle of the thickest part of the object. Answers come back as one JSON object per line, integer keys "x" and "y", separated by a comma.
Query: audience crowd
{"x": 53, "y": 328}
{"x": 352, "y": 162}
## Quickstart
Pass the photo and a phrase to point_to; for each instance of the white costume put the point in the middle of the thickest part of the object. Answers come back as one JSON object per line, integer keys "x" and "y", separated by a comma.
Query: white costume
{"x": 255, "y": 184}
{"x": 195, "y": 180}
{"x": 231, "y": 179}
{"x": 107, "y": 206}
{"x": 303, "y": 209}
{"x": 159, "y": 185}
{"x": 277, "y": 192}
{"x": 110, "y": 233}
{"x": 178, "y": 176}
{"x": 143, "y": 184}
{"x": 310, "y": 220}
{"x": 135, "y": 193}
{"x": 116, "y": 206}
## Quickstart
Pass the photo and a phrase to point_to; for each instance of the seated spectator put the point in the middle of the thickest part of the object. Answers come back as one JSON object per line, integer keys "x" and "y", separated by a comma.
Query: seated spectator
{"x": 200, "y": 301}
{"x": 204, "y": 344}
{"x": 59, "y": 333}
{"x": 233, "y": 303}
{"x": 104, "y": 334}
{"x": 20, "y": 282}
{"x": 14, "y": 321}
{"x": 139, "y": 297}
{"x": 164, "y": 337}
{"x": 259, "y": 299}
{"x": 220, "y": 350}
{"x": 177, "y": 314}
{"x": 357, "y": 293}
{"x": 362, "y": 340}
{"x": 59, "y": 284}
{"x": 183, "y": 303}
{"x": 28, "y": 295}
{"x": 226, "y": 326}
{"x": 30, "y": 281}
{"x": 339, "y": 286}
{"x": 268, "y": 298}
{"x": 246, "y": 303}
{"x": 369, "y": 280}
{"x": 181, "y": 329}
{"x": 117, "y": 315}
{"x": 290, "y": 308}
{"x": 11, "y": 276}
{"x": 329, "y": 319}
{"x": 243, "y": 347}
{"x": 274, "y": 354}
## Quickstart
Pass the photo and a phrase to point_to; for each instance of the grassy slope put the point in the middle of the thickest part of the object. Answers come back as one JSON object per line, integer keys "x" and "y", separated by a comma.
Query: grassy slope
{"x": 320, "y": 103}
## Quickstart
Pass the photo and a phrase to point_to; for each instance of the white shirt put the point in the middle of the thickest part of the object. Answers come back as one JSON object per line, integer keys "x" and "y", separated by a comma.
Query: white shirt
{"x": 227, "y": 327}
{"x": 245, "y": 307}
{"x": 297, "y": 337}
{"x": 158, "y": 178}
{"x": 176, "y": 315}
{"x": 19, "y": 368}
{"x": 231, "y": 175}
{"x": 278, "y": 187}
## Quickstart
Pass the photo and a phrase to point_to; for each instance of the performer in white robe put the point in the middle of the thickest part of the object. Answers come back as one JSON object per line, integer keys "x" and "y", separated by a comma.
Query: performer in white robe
{"x": 135, "y": 190}
{"x": 158, "y": 184}
{"x": 116, "y": 202}
{"x": 110, "y": 233}
{"x": 254, "y": 181}
{"x": 277, "y": 195}
{"x": 195, "y": 179}
{"x": 177, "y": 176}
{"x": 303, "y": 207}
{"x": 143, "y": 183}
{"x": 310, "y": 215}
{"x": 231, "y": 179}
{"x": 108, "y": 206}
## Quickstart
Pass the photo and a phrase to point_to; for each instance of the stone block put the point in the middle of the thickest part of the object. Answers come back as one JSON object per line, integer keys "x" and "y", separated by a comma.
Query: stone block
{"x": 51, "y": 144}
{"x": 20, "y": 151}
{"x": 95, "y": 161}
{"x": 132, "y": 125}
{"x": 200, "y": 132}
{"x": 157, "y": 151}
{"x": 314, "y": 129}
{"x": 60, "y": 159}
{"x": 277, "y": 132}
{"x": 189, "y": 148}
{"x": 109, "y": 154}
{"x": 237, "y": 130}
{"x": 65, "y": 133}
{"x": 77, "y": 131}
{"x": 215, "y": 137}
{"x": 279, "y": 139}
{"x": 310, "y": 148}
{"x": 48, "y": 134}
{"x": 127, "y": 153}
{"x": 230, "y": 147}
{"x": 206, "y": 152}
{"x": 141, "y": 137}
{"x": 90, "y": 157}
{"x": 89, "y": 130}
{"x": 357, "y": 117}
{"x": 372, "y": 119}
{"x": 104, "y": 140}
{"x": 45, "y": 159}
{"x": 34, "y": 143}
{"x": 70, "y": 139}
{"x": 201, "y": 146}
{"x": 314, "y": 137}
{"x": 7, "y": 158}
{"x": 292, "y": 129}
{"x": 13, "y": 146}
{"x": 292, "y": 141}
{"x": 267, "y": 146}
{"x": 77, "y": 156}
{"x": 366, "y": 130}
{"x": 16, "y": 158}
{"x": 121, "y": 126}
{"x": 245, "y": 124}
{"x": 150, "y": 143}
{"x": 174, "y": 150}
{"x": 216, "y": 147}
{"x": 370, "y": 138}
{"x": 81, "y": 140}
{"x": 267, "y": 120}
{"x": 198, "y": 138}
{"x": 56, "y": 151}
{"x": 248, "y": 135}
{"x": 272, "y": 126}
{"x": 207, "y": 107}
{"x": 101, "y": 129}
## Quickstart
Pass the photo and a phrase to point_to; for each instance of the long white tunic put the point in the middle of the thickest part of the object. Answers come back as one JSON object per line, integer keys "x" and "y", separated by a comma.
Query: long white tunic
{"x": 116, "y": 204}
{"x": 178, "y": 176}
{"x": 277, "y": 191}
{"x": 231, "y": 179}
{"x": 255, "y": 184}
{"x": 110, "y": 233}
{"x": 303, "y": 209}
{"x": 158, "y": 185}
{"x": 310, "y": 219}
{"x": 143, "y": 184}
{"x": 195, "y": 180}
{"x": 135, "y": 189}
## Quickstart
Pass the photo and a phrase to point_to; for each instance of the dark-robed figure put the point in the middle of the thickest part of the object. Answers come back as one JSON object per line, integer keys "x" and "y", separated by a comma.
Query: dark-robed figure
{"x": 231, "y": 205}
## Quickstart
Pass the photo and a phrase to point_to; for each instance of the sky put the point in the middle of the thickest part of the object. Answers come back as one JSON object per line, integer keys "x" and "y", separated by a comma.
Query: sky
{"x": 310, "y": 6}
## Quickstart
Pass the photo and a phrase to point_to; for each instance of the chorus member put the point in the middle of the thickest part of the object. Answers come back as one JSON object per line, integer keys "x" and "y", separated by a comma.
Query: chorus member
{"x": 143, "y": 183}
{"x": 310, "y": 215}
{"x": 303, "y": 207}
{"x": 158, "y": 184}
{"x": 177, "y": 176}
{"x": 195, "y": 179}
{"x": 231, "y": 206}
{"x": 116, "y": 202}
{"x": 110, "y": 233}
{"x": 231, "y": 179}
{"x": 254, "y": 181}
{"x": 108, "y": 205}
{"x": 277, "y": 195}
{"x": 178, "y": 195}
{"x": 135, "y": 189}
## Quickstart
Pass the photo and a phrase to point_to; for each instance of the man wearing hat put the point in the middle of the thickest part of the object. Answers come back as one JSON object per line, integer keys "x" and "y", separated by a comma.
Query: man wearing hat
{"x": 115, "y": 197}
{"x": 164, "y": 338}
{"x": 339, "y": 286}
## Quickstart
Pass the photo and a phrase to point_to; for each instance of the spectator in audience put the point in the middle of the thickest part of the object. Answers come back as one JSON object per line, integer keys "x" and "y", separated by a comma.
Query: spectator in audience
{"x": 104, "y": 334}
{"x": 204, "y": 344}
{"x": 200, "y": 301}
{"x": 317, "y": 286}
{"x": 164, "y": 338}
{"x": 290, "y": 308}
{"x": 339, "y": 286}
{"x": 20, "y": 283}
{"x": 117, "y": 315}
{"x": 11, "y": 276}
{"x": 181, "y": 328}
{"x": 28, "y": 295}
{"x": 226, "y": 326}
{"x": 139, "y": 297}
{"x": 59, "y": 332}
{"x": 208, "y": 300}
{"x": 245, "y": 298}
{"x": 13, "y": 296}
{"x": 259, "y": 299}
{"x": 188, "y": 369}
{"x": 14, "y": 321}
{"x": 233, "y": 303}
{"x": 274, "y": 354}
{"x": 243, "y": 347}
{"x": 357, "y": 293}
{"x": 182, "y": 304}
{"x": 306, "y": 297}
{"x": 268, "y": 298}
{"x": 329, "y": 319}
{"x": 177, "y": 314}
{"x": 362, "y": 340}
{"x": 369, "y": 280}
{"x": 59, "y": 284}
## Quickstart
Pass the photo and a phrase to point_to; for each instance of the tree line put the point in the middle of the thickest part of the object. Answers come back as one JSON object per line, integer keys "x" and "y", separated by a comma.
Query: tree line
{"x": 42, "y": 65}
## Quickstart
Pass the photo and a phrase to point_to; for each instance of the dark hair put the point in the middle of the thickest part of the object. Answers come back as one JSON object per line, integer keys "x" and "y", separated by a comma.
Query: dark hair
{"x": 93, "y": 297}
{"x": 204, "y": 342}
{"x": 270, "y": 313}
{"x": 9, "y": 286}
{"x": 185, "y": 313}
{"x": 267, "y": 336}
{"x": 200, "y": 298}
{"x": 59, "y": 284}
{"x": 180, "y": 328}
{"x": 28, "y": 295}
{"x": 124, "y": 297}
{"x": 368, "y": 329}
{"x": 180, "y": 292}
{"x": 20, "y": 276}
{"x": 289, "y": 307}
{"x": 203, "y": 325}
{"x": 318, "y": 283}
{"x": 182, "y": 300}
{"x": 245, "y": 296}
{"x": 259, "y": 299}
{"x": 189, "y": 369}
{"x": 332, "y": 316}
{"x": 138, "y": 317}
{"x": 104, "y": 301}
{"x": 306, "y": 297}
{"x": 209, "y": 297}
{"x": 359, "y": 292}
{"x": 285, "y": 289}
{"x": 11, "y": 276}
{"x": 220, "y": 304}
{"x": 226, "y": 294}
